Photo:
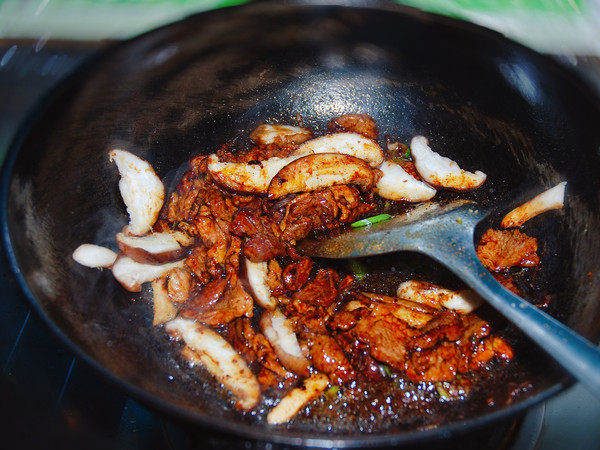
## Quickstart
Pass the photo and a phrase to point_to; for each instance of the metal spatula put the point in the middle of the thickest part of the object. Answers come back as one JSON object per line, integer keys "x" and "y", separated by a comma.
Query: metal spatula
{"x": 445, "y": 232}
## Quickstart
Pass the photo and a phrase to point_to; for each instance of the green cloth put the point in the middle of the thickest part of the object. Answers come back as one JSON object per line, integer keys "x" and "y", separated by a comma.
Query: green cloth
{"x": 557, "y": 26}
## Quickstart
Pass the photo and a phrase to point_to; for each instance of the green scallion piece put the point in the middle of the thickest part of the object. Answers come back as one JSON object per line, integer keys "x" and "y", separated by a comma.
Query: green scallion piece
{"x": 401, "y": 153}
{"x": 387, "y": 371}
{"x": 370, "y": 221}
{"x": 359, "y": 271}
{"x": 332, "y": 391}
{"x": 442, "y": 391}
{"x": 407, "y": 155}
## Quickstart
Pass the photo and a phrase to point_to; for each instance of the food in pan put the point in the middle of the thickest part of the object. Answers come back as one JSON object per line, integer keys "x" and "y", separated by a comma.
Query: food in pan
{"x": 279, "y": 330}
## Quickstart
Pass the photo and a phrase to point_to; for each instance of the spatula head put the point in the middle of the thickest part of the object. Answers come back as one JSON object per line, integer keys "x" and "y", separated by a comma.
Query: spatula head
{"x": 424, "y": 228}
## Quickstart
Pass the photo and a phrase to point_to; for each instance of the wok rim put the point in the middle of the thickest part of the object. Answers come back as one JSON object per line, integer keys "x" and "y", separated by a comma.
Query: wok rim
{"x": 38, "y": 112}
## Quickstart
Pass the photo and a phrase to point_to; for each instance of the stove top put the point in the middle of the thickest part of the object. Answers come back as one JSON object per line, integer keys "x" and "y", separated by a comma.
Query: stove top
{"x": 51, "y": 400}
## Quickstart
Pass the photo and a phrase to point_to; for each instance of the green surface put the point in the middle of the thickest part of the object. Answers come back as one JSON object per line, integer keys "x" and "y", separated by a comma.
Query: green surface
{"x": 557, "y": 26}
{"x": 496, "y": 6}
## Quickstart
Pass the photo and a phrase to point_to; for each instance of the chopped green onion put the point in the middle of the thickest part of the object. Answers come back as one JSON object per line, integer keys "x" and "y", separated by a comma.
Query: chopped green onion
{"x": 358, "y": 269}
{"x": 387, "y": 371}
{"x": 406, "y": 156}
{"x": 400, "y": 153}
{"x": 370, "y": 220}
{"x": 443, "y": 393}
{"x": 332, "y": 391}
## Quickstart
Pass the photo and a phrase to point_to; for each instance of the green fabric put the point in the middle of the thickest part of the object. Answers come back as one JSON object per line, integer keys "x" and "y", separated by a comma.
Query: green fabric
{"x": 121, "y": 19}
{"x": 495, "y": 6}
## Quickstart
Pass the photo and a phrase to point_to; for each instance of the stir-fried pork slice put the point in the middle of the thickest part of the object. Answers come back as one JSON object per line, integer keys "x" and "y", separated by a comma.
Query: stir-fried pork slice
{"x": 274, "y": 278}
{"x": 447, "y": 344}
{"x": 261, "y": 241}
{"x": 550, "y": 199}
{"x": 348, "y": 316}
{"x": 350, "y": 203}
{"x": 197, "y": 200}
{"x": 322, "y": 290}
{"x": 155, "y": 248}
{"x": 346, "y": 143}
{"x": 463, "y": 301}
{"x": 478, "y": 347}
{"x": 255, "y": 279}
{"x": 258, "y": 353}
{"x": 142, "y": 191}
{"x": 502, "y": 249}
{"x": 475, "y": 327}
{"x": 280, "y": 135}
{"x": 388, "y": 338}
{"x": 396, "y": 184}
{"x": 453, "y": 344}
{"x": 222, "y": 259}
{"x": 219, "y": 358}
{"x": 94, "y": 256}
{"x": 413, "y": 313}
{"x": 357, "y": 123}
{"x": 297, "y": 273}
{"x": 372, "y": 331}
{"x": 240, "y": 334}
{"x": 310, "y": 307}
{"x": 442, "y": 172}
{"x": 327, "y": 356}
{"x": 206, "y": 213}
{"x": 179, "y": 285}
{"x": 446, "y": 325}
{"x": 322, "y": 209}
{"x": 202, "y": 265}
{"x": 132, "y": 274}
{"x": 358, "y": 354}
{"x": 434, "y": 364}
{"x": 219, "y": 302}
{"x": 289, "y": 405}
{"x": 278, "y": 329}
{"x": 318, "y": 171}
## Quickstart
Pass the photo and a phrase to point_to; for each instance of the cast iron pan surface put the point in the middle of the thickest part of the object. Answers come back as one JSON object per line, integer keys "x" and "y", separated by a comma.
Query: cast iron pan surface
{"x": 187, "y": 88}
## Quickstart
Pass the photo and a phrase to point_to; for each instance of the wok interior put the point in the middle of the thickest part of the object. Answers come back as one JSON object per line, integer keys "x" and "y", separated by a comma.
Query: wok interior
{"x": 189, "y": 87}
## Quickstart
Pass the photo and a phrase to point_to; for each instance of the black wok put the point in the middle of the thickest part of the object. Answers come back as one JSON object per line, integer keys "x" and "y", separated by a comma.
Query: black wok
{"x": 187, "y": 88}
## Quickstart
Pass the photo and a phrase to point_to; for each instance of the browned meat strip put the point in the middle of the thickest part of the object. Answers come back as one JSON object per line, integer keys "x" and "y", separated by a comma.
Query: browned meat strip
{"x": 262, "y": 244}
{"x": 258, "y": 353}
{"x": 360, "y": 358}
{"x": 502, "y": 249}
{"x": 296, "y": 274}
{"x": 323, "y": 209}
{"x": 388, "y": 338}
{"x": 219, "y": 302}
{"x": 327, "y": 356}
{"x": 447, "y": 325}
{"x": 322, "y": 290}
{"x": 358, "y": 123}
{"x": 434, "y": 364}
